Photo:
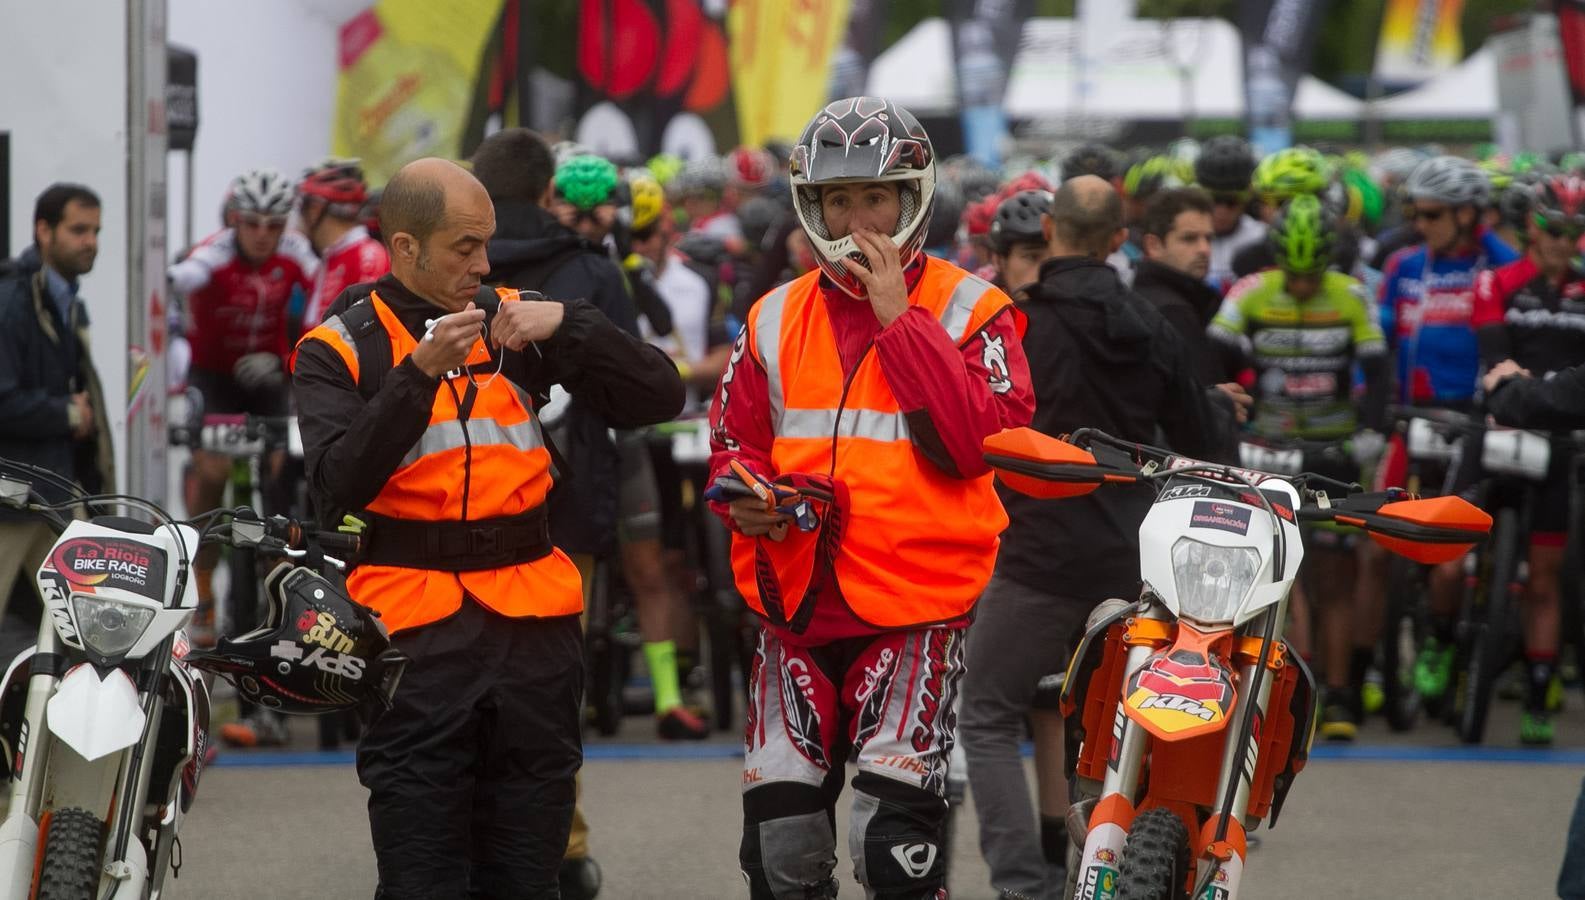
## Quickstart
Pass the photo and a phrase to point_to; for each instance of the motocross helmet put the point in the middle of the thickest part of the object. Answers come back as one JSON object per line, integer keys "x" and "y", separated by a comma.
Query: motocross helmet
{"x": 1018, "y": 220}
{"x": 863, "y": 139}
{"x": 1304, "y": 237}
{"x": 317, "y": 651}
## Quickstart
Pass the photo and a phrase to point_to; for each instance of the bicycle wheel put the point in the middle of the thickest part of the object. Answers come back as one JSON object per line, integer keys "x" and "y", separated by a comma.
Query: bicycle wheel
{"x": 1400, "y": 643}
{"x": 1491, "y": 639}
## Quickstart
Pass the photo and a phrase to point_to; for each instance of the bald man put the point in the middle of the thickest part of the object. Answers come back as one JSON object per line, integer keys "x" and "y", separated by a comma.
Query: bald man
{"x": 416, "y": 405}
{"x": 1099, "y": 356}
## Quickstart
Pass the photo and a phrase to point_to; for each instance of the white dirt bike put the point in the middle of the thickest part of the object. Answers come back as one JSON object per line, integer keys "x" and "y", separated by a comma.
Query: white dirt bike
{"x": 103, "y": 723}
{"x": 1188, "y": 714}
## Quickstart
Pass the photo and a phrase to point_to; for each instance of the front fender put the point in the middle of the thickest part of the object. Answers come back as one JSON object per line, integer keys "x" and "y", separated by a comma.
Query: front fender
{"x": 96, "y": 716}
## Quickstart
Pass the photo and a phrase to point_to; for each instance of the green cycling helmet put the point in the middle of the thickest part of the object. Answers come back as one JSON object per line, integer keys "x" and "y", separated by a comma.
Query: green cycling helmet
{"x": 586, "y": 181}
{"x": 1304, "y": 236}
{"x": 1155, "y": 173}
{"x": 1291, "y": 173}
{"x": 665, "y": 167}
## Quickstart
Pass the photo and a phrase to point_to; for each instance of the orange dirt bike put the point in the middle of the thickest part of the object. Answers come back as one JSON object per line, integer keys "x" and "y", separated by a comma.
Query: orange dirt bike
{"x": 1189, "y": 715}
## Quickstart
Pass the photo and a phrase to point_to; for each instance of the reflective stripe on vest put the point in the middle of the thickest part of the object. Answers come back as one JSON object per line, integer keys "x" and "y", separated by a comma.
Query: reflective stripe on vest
{"x": 918, "y": 543}
{"x": 813, "y": 423}
{"x": 870, "y": 424}
{"x": 493, "y": 464}
{"x": 453, "y": 435}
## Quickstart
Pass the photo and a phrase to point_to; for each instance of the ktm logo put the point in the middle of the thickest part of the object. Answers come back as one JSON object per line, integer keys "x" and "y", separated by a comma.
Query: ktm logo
{"x": 916, "y": 859}
{"x": 1178, "y": 704}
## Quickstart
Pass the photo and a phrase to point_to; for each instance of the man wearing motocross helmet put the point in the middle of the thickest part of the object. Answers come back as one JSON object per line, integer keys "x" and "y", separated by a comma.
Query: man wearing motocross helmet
{"x": 870, "y": 384}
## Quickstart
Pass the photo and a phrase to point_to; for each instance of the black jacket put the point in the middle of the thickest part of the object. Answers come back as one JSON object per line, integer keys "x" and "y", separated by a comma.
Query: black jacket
{"x": 531, "y": 250}
{"x": 43, "y": 362}
{"x": 351, "y": 446}
{"x": 1556, "y": 403}
{"x": 1099, "y": 356}
{"x": 1188, "y": 303}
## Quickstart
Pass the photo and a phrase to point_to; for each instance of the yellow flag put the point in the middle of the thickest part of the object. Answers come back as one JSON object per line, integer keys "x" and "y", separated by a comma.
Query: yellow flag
{"x": 408, "y": 69}
{"x": 781, "y": 63}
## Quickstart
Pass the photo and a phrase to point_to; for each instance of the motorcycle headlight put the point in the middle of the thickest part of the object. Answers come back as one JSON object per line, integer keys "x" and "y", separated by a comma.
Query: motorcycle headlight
{"x": 109, "y": 627}
{"x": 1212, "y": 580}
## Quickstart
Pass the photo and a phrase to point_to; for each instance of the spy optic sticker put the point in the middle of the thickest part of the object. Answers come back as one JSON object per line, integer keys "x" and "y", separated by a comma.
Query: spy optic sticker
{"x": 112, "y": 563}
{"x": 1223, "y": 516}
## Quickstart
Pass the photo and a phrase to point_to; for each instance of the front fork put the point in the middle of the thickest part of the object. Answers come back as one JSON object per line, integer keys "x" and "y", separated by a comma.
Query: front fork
{"x": 1222, "y": 865}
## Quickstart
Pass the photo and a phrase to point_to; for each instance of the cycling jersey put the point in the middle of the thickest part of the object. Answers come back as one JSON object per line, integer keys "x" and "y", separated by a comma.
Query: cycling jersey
{"x": 1521, "y": 314}
{"x": 1426, "y": 304}
{"x": 236, "y": 308}
{"x": 1224, "y": 247}
{"x": 354, "y": 259}
{"x": 1302, "y": 354}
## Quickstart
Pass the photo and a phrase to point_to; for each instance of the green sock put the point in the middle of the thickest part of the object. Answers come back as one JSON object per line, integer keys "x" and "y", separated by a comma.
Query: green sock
{"x": 662, "y": 659}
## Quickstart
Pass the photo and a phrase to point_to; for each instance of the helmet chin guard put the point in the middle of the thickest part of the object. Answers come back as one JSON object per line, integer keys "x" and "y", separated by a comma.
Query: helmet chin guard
{"x": 859, "y": 140}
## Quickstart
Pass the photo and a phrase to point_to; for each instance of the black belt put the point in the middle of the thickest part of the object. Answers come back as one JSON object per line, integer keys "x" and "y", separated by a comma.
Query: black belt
{"x": 457, "y": 546}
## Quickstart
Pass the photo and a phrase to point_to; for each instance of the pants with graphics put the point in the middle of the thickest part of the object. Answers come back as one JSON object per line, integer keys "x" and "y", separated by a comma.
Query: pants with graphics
{"x": 883, "y": 701}
{"x": 470, "y": 772}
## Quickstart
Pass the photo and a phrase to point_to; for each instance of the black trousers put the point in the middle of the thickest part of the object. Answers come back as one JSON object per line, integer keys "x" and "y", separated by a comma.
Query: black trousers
{"x": 470, "y": 773}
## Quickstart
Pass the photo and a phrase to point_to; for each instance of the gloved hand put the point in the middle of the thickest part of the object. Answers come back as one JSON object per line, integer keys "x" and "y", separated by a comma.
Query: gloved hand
{"x": 258, "y": 372}
{"x": 1367, "y": 447}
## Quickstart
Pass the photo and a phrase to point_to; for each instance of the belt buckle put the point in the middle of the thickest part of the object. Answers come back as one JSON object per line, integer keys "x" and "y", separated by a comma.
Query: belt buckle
{"x": 484, "y": 540}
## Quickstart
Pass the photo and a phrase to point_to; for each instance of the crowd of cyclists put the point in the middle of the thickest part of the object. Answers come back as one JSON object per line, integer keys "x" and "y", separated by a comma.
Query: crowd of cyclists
{"x": 1339, "y": 290}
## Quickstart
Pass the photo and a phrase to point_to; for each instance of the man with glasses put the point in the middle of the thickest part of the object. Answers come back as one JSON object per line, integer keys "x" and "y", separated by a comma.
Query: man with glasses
{"x": 238, "y": 284}
{"x": 1224, "y": 169}
{"x": 1427, "y": 304}
{"x": 1532, "y": 312}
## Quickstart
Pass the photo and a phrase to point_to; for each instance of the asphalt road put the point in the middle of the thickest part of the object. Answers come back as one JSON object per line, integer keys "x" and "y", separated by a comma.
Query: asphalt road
{"x": 1414, "y": 817}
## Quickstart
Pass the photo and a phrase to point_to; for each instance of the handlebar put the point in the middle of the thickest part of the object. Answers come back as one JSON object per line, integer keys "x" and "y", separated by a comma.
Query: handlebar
{"x": 237, "y": 434}
{"x": 280, "y": 535}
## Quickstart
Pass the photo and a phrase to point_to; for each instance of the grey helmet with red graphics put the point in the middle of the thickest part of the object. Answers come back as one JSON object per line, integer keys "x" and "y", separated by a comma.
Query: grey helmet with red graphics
{"x": 317, "y": 651}
{"x": 863, "y": 139}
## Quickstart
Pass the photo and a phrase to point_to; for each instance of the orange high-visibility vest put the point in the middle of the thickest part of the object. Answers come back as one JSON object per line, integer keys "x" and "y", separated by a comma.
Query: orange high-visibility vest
{"x": 498, "y": 456}
{"x": 918, "y": 545}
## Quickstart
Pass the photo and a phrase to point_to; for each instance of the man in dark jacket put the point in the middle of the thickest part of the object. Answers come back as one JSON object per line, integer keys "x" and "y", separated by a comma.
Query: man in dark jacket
{"x": 1177, "y": 241}
{"x": 52, "y": 410}
{"x": 531, "y": 250}
{"x": 1101, "y": 356}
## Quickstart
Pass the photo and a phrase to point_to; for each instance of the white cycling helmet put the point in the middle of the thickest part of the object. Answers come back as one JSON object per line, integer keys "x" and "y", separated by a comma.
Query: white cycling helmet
{"x": 863, "y": 139}
{"x": 1450, "y": 180}
{"x": 263, "y": 191}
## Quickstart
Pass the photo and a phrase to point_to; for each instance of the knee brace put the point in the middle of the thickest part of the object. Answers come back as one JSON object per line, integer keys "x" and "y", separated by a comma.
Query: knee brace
{"x": 895, "y": 839}
{"x": 789, "y": 845}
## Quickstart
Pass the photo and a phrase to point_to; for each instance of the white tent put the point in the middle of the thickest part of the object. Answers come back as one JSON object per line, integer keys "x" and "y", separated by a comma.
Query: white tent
{"x": 1138, "y": 80}
{"x": 1466, "y": 91}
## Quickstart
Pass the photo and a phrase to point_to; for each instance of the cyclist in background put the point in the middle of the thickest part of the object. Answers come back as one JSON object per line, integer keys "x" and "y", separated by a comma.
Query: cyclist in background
{"x": 1532, "y": 311}
{"x": 331, "y": 197}
{"x": 1224, "y": 169}
{"x": 1427, "y": 304}
{"x": 1018, "y": 241}
{"x": 1278, "y": 179}
{"x": 1300, "y": 329}
{"x": 237, "y": 284}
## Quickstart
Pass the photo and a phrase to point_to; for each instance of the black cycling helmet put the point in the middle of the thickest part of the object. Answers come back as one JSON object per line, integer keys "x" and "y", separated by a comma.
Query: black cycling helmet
{"x": 704, "y": 249}
{"x": 757, "y": 216}
{"x": 1092, "y": 159}
{"x": 1226, "y": 164}
{"x": 943, "y": 228}
{"x": 1018, "y": 220}
{"x": 317, "y": 651}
